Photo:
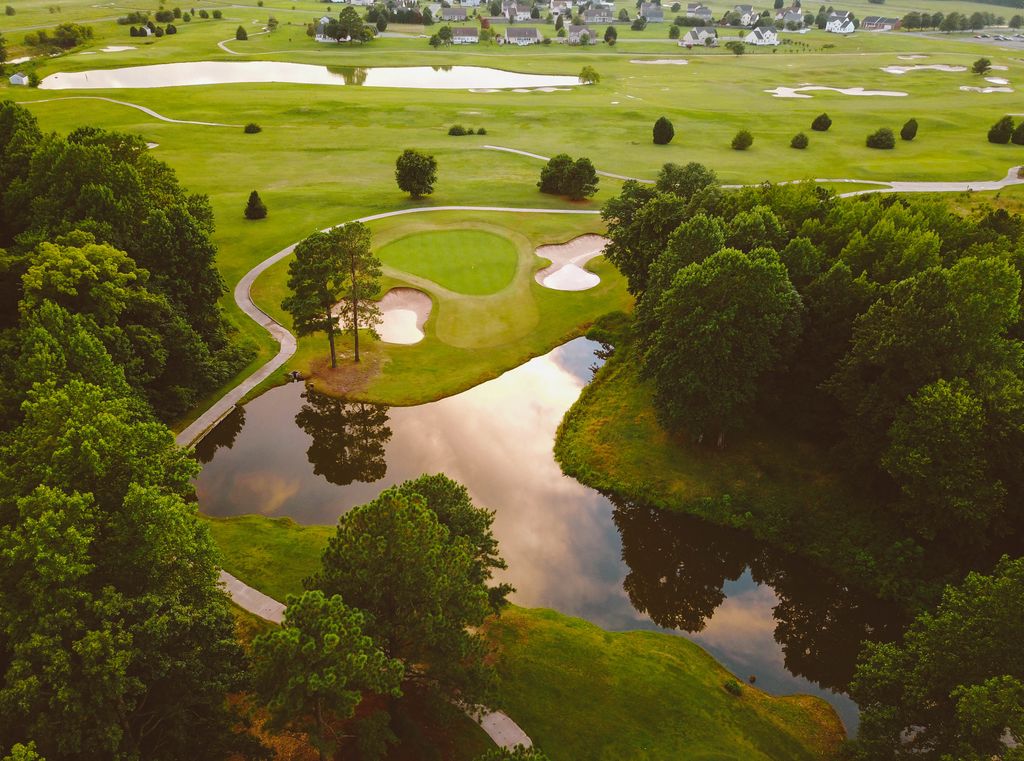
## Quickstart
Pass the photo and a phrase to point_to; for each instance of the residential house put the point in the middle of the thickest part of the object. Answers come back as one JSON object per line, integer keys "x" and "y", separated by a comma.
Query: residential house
{"x": 453, "y": 14}
{"x": 598, "y": 16}
{"x": 521, "y": 13}
{"x": 561, "y": 6}
{"x": 321, "y": 30}
{"x": 19, "y": 79}
{"x": 748, "y": 16}
{"x": 652, "y": 12}
{"x": 469, "y": 3}
{"x": 788, "y": 16}
{"x": 360, "y": 2}
{"x": 840, "y": 22}
{"x": 881, "y": 24}
{"x": 575, "y": 33}
{"x": 763, "y": 35}
{"x": 700, "y": 36}
{"x": 697, "y": 10}
{"x": 465, "y": 35}
{"x": 522, "y": 35}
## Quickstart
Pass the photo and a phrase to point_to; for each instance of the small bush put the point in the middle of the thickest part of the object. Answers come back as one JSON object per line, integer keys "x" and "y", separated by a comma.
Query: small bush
{"x": 799, "y": 141}
{"x": 663, "y": 131}
{"x": 909, "y": 130}
{"x": 821, "y": 123}
{"x": 733, "y": 687}
{"x": 252, "y": 128}
{"x": 1001, "y": 132}
{"x": 481, "y": 131}
{"x": 882, "y": 138}
{"x": 218, "y": 14}
{"x": 743, "y": 140}
{"x": 9, "y": 10}
{"x": 255, "y": 208}
{"x": 457, "y": 130}
{"x": 204, "y": 14}
{"x": 240, "y": 33}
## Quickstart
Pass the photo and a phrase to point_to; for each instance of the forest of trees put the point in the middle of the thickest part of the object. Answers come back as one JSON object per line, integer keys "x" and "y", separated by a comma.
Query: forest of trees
{"x": 886, "y": 330}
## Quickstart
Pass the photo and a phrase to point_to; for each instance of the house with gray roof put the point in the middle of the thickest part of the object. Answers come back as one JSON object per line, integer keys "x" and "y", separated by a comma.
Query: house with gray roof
{"x": 453, "y": 14}
{"x": 652, "y": 12}
{"x": 522, "y": 35}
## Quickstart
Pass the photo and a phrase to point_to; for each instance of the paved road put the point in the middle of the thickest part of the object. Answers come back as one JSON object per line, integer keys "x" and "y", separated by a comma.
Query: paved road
{"x": 145, "y": 110}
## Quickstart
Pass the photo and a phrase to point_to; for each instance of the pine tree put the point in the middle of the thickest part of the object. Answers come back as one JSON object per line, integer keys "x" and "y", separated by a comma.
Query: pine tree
{"x": 255, "y": 209}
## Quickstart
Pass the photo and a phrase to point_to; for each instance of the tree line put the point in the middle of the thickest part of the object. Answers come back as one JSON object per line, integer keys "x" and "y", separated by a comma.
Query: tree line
{"x": 888, "y": 331}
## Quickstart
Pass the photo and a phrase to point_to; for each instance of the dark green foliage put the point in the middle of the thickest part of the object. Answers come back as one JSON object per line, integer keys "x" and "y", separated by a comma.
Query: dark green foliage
{"x": 733, "y": 687}
{"x": 419, "y": 584}
{"x": 981, "y": 66}
{"x": 252, "y": 128}
{"x": 240, "y": 33}
{"x": 254, "y": 207}
{"x": 821, "y": 123}
{"x": 217, "y": 13}
{"x": 799, "y": 141}
{"x": 742, "y": 140}
{"x": 685, "y": 181}
{"x": 1017, "y": 138}
{"x": 518, "y": 753}
{"x": 457, "y": 130}
{"x": 611, "y": 35}
{"x": 909, "y": 130}
{"x": 663, "y": 131}
{"x": 563, "y": 176}
{"x": 881, "y": 138}
{"x": 1001, "y": 132}
{"x": 953, "y": 687}
{"x": 416, "y": 173}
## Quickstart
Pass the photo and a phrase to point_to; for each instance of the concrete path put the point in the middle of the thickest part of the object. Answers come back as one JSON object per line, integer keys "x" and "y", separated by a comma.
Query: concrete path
{"x": 143, "y": 109}
{"x": 223, "y": 43}
{"x": 548, "y": 158}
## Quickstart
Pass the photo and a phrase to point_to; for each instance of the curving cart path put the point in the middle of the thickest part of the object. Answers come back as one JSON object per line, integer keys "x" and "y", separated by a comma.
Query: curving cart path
{"x": 498, "y": 725}
{"x": 143, "y": 109}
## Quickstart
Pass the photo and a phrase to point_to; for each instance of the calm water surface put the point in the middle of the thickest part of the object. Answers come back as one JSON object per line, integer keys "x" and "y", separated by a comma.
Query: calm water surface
{"x": 238, "y": 72}
{"x": 622, "y": 566}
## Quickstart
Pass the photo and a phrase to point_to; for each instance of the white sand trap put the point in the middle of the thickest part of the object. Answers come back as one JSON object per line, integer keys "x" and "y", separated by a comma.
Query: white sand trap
{"x": 404, "y": 311}
{"x": 798, "y": 92}
{"x": 911, "y": 57}
{"x": 997, "y": 80}
{"x": 151, "y": 146}
{"x": 922, "y": 67}
{"x": 1000, "y": 68}
{"x": 663, "y": 61}
{"x": 986, "y": 90}
{"x": 116, "y": 48}
{"x": 566, "y": 271}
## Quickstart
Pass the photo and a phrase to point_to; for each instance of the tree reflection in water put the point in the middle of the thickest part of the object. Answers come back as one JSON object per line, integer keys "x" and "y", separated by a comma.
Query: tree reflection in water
{"x": 349, "y": 438}
{"x": 221, "y": 435}
{"x": 678, "y": 565}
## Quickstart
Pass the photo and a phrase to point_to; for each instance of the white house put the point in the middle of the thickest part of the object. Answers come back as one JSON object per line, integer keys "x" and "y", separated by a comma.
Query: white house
{"x": 575, "y": 34}
{"x": 652, "y": 12}
{"x": 840, "y": 22}
{"x": 697, "y": 10}
{"x": 453, "y": 14}
{"x": 465, "y": 35}
{"x": 598, "y": 16}
{"x": 764, "y": 35}
{"x": 469, "y": 3}
{"x": 789, "y": 16}
{"x": 522, "y": 35}
{"x": 561, "y": 6}
{"x": 747, "y": 14}
{"x": 881, "y": 23}
{"x": 519, "y": 12}
{"x": 700, "y": 36}
{"x": 321, "y": 30}
{"x": 19, "y": 79}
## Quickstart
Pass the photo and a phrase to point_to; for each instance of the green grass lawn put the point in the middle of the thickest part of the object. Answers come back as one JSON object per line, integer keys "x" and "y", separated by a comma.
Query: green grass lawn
{"x": 469, "y": 262}
{"x": 583, "y": 693}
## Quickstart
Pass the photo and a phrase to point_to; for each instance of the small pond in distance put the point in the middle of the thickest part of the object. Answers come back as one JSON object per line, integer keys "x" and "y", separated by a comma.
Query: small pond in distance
{"x": 255, "y": 72}
{"x": 622, "y": 566}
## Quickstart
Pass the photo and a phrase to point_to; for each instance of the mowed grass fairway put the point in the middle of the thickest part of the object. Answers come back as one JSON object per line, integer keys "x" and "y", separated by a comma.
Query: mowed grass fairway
{"x": 578, "y": 691}
{"x": 470, "y": 262}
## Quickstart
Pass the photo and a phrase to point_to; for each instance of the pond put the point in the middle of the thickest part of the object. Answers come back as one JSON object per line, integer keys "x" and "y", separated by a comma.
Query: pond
{"x": 253, "y": 72}
{"x": 298, "y": 453}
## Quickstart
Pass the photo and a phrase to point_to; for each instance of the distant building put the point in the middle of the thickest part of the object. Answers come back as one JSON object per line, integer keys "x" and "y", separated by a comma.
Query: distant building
{"x": 453, "y": 14}
{"x": 465, "y": 35}
{"x": 598, "y": 16}
{"x": 789, "y": 16}
{"x": 561, "y": 6}
{"x": 19, "y": 79}
{"x": 700, "y": 36}
{"x": 576, "y": 33}
{"x": 697, "y": 10}
{"x": 321, "y": 30}
{"x": 469, "y": 3}
{"x": 519, "y": 12}
{"x": 764, "y": 35}
{"x": 652, "y": 12}
{"x": 747, "y": 14}
{"x": 522, "y": 35}
{"x": 881, "y": 24}
{"x": 840, "y": 22}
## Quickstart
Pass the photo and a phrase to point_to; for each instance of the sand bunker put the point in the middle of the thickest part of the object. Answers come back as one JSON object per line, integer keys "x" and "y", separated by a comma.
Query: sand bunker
{"x": 922, "y": 67}
{"x": 664, "y": 61}
{"x": 151, "y": 146}
{"x": 986, "y": 90}
{"x": 997, "y": 80}
{"x": 404, "y": 311}
{"x": 911, "y": 57}
{"x": 798, "y": 92}
{"x": 566, "y": 271}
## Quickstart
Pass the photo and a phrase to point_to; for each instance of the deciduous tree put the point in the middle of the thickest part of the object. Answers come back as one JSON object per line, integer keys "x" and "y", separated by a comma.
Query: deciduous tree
{"x": 416, "y": 173}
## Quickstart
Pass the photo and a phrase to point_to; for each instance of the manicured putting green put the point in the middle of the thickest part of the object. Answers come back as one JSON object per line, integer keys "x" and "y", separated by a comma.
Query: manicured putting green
{"x": 471, "y": 262}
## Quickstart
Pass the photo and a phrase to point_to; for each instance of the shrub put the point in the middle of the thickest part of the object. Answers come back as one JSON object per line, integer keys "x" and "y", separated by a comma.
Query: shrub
{"x": 9, "y": 10}
{"x": 799, "y": 141}
{"x": 1001, "y": 131}
{"x": 882, "y": 138}
{"x": 172, "y": 29}
{"x": 563, "y": 176}
{"x": 663, "y": 131}
{"x": 33, "y": 79}
{"x": 589, "y": 76}
{"x": 743, "y": 140}
{"x": 909, "y": 130}
{"x": 159, "y": 31}
{"x": 203, "y": 13}
{"x": 821, "y": 123}
{"x": 457, "y": 130}
{"x": 252, "y": 128}
{"x": 639, "y": 24}
{"x": 186, "y": 17}
{"x": 1017, "y": 138}
{"x": 981, "y": 66}
{"x": 240, "y": 33}
{"x": 733, "y": 687}
{"x": 164, "y": 16}
{"x": 218, "y": 14}
{"x": 673, "y": 32}
{"x": 255, "y": 208}
{"x": 481, "y": 131}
